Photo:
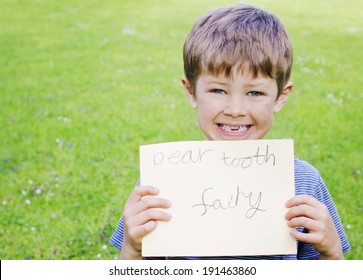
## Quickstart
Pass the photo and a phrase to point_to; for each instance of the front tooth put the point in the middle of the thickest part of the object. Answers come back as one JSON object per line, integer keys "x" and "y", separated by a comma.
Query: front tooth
{"x": 235, "y": 128}
{"x": 227, "y": 128}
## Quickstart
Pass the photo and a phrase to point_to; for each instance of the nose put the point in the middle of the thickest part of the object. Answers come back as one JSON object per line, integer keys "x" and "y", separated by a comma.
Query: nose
{"x": 235, "y": 106}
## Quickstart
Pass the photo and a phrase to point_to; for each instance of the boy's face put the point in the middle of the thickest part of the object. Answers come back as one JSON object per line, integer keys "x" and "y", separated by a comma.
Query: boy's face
{"x": 236, "y": 108}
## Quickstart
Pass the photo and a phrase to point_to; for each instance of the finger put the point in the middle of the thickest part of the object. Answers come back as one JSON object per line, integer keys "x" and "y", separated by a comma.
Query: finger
{"x": 144, "y": 223}
{"x": 138, "y": 192}
{"x": 311, "y": 238}
{"x": 302, "y": 199}
{"x": 146, "y": 203}
{"x": 302, "y": 210}
{"x": 153, "y": 202}
{"x": 151, "y": 215}
{"x": 310, "y": 224}
{"x": 138, "y": 233}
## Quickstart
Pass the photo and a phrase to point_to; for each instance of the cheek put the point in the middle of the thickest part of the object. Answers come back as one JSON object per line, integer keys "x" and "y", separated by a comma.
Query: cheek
{"x": 208, "y": 108}
{"x": 264, "y": 113}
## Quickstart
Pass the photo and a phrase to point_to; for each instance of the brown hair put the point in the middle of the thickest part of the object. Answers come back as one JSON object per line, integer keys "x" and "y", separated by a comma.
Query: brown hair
{"x": 239, "y": 36}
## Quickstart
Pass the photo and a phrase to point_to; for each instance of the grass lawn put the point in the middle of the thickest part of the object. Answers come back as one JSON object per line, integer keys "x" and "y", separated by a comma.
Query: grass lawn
{"x": 84, "y": 83}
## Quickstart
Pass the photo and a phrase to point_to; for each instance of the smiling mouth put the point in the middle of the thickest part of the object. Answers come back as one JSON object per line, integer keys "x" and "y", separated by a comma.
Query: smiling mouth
{"x": 234, "y": 128}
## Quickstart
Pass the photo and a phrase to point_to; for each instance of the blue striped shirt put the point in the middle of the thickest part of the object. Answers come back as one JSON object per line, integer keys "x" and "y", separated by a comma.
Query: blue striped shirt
{"x": 307, "y": 181}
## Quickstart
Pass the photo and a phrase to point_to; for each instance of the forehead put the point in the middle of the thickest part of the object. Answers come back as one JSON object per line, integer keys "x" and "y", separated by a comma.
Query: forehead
{"x": 236, "y": 76}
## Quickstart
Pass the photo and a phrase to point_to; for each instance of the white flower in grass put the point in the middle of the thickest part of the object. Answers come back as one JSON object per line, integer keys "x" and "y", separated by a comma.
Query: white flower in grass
{"x": 353, "y": 29}
{"x": 31, "y": 182}
{"x": 38, "y": 190}
{"x": 67, "y": 120}
{"x": 348, "y": 226}
{"x": 99, "y": 255}
{"x": 60, "y": 142}
{"x": 104, "y": 42}
{"x": 27, "y": 201}
{"x": 335, "y": 100}
{"x": 128, "y": 31}
{"x": 330, "y": 96}
{"x": 104, "y": 247}
{"x": 23, "y": 192}
{"x": 4, "y": 202}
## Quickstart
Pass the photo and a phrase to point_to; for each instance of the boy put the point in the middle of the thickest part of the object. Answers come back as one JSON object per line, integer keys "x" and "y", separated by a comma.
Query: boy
{"x": 237, "y": 64}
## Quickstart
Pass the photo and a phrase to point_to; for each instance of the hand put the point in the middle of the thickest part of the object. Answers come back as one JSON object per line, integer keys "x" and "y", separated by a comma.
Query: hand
{"x": 140, "y": 218}
{"x": 306, "y": 211}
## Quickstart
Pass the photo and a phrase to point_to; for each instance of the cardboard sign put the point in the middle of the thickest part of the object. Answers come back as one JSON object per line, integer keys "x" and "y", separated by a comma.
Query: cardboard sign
{"x": 228, "y": 197}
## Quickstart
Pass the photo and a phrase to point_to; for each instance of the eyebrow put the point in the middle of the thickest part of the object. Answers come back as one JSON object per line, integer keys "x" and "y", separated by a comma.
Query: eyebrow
{"x": 255, "y": 82}
{"x": 215, "y": 80}
{"x": 217, "y": 83}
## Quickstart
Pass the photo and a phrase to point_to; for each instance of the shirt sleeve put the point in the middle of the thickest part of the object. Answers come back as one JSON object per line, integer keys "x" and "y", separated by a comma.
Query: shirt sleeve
{"x": 117, "y": 237}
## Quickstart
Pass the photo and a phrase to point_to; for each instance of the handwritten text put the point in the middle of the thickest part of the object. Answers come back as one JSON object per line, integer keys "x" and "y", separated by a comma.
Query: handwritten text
{"x": 210, "y": 202}
{"x": 245, "y": 162}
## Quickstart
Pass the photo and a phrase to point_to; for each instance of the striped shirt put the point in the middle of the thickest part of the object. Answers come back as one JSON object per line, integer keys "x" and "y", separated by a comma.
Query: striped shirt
{"x": 307, "y": 181}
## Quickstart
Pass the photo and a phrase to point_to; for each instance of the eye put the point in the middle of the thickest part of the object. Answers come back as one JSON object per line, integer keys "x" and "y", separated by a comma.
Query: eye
{"x": 254, "y": 93}
{"x": 218, "y": 91}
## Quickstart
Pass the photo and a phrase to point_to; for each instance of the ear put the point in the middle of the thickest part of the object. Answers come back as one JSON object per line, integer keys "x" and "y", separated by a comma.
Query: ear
{"x": 190, "y": 94}
{"x": 284, "y": 95}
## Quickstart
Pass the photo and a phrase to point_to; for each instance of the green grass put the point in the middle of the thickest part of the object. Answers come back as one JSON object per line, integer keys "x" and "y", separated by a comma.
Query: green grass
{"x": 83, "y": 84}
